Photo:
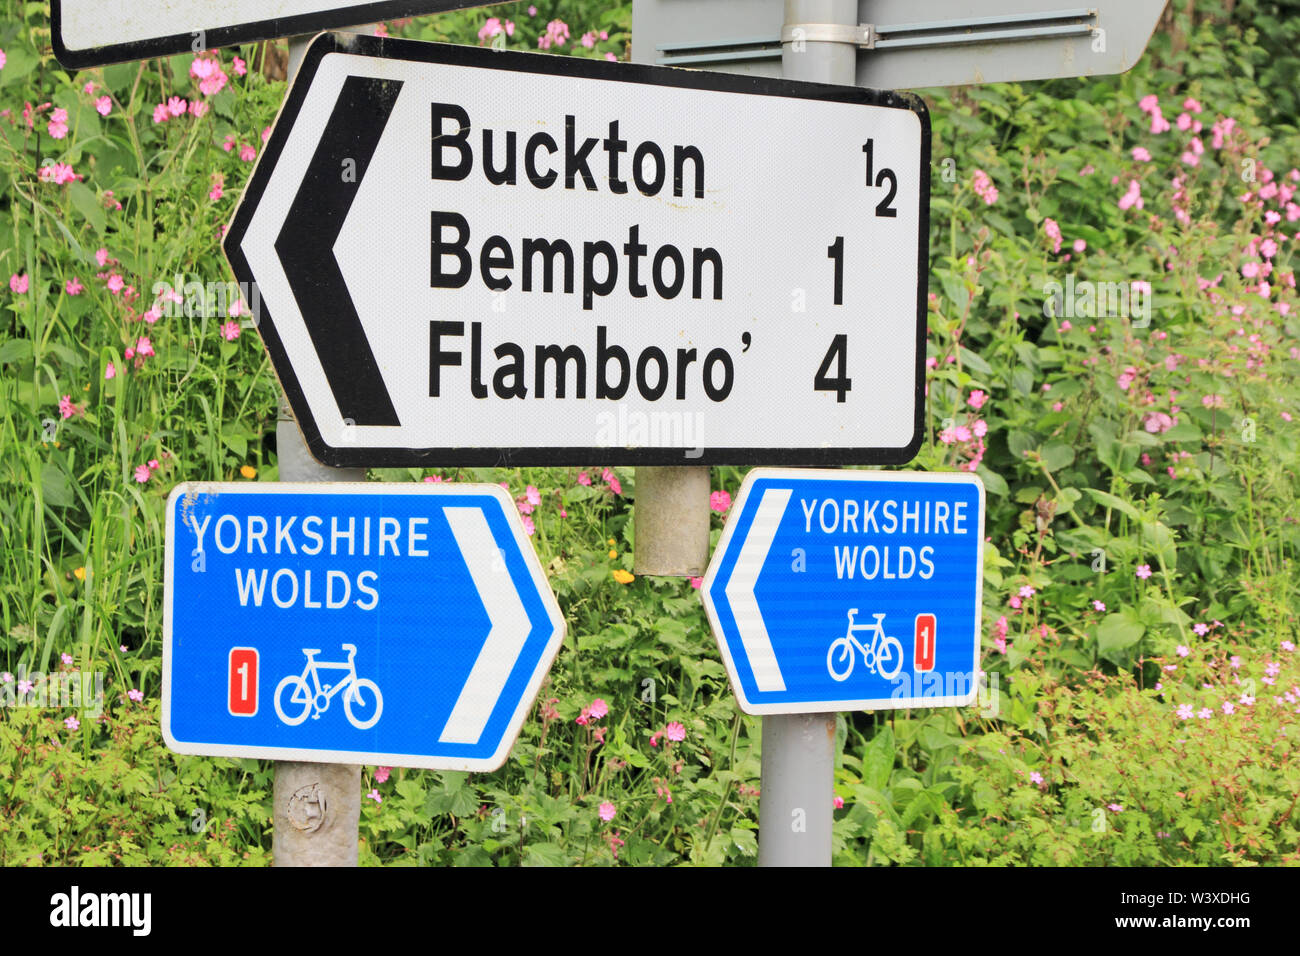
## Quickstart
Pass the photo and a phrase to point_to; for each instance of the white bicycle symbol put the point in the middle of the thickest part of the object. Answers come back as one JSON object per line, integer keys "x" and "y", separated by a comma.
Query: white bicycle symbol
{"x": 884, "y": 656}
{"x": 315, "y": 695}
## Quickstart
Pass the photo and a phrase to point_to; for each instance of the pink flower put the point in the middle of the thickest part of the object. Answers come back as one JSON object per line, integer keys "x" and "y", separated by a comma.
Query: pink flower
{"x": 606, "y": 811}
{"x": 584, "y": 478}
{"x": 115, "y": 283}
{"x": 266, "y": 133}
{"x": 675, "y": 732}
{"x": 1182, "y": 650}
{"x": 1080, "y": 245}
{"x": 160, "y": 114}
{"x": 110, "y": 371}
{"x": 247, "y": 153}
{"x": 230, "y": 331}
{"x": 142, "y": 473}
{"x": 984, "y": 187}
{"x": 1157, "y": 423}
{"x": 144, "y": 347}
{"x": 177, "y": 106}
{"x": 1184, "y": 711}
{"x": 1212, "y": 401}
{"x": 1114, "y": 808}
{"x": 134, "y": 694}
{"x": 1141, "y": 155}
{"x": 71, "y": 723}
{"x": 1158, "y": 123}
{"x": 1098, "y": 605}
{"x": 1144, "y": 571}
{"x": 101, "y": 257}
{"x": 66, "y": 408}
{"x": 1035, "y": 777}
{"x": 1133, "y": 197}
{"x": 720, "y": 501}
{"x": 58, "y": 173}
{"x": 73, "y": 286}
{"x": 1053, "y": 231}
{"x": 611, "y": 57}
{"x": 598, "y": 708}
{"x": 19, "y": 284}
{"x": 1149, "y": 103}
{"x": 239, "y": 67}
{"x": 696, "y": 582}
{"x": 837, "y": 802}
{"x": 533, "y": 495}
{"x": 381, "y": 774}
{"x": 209, "y": 74}
{"x": 1205, "y": 713}
{"x": 104, "y": 105}
{"x": 67, "y": 659}
{"x": 529, "y": 527}
{"x": 198, "y": 108}
{"x": 977, "y": 399}
{"x": 58, "y": 127}
{"x": 374, "y": 795}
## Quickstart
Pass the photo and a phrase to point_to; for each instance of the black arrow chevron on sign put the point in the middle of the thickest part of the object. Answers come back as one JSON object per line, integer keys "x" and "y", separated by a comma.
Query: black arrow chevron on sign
{"x": 305, "y": 246}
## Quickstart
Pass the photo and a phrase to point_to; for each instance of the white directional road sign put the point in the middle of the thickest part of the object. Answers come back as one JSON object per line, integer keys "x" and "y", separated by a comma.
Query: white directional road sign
{"x": 464, "y": 256}
{"x": 93, "y": 32}
{"x": 406, "y": 625}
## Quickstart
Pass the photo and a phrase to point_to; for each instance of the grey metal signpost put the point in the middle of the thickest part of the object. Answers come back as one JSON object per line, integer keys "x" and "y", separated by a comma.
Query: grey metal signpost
{"x": 794, "y": 818}
{"x": 316, "y": 806}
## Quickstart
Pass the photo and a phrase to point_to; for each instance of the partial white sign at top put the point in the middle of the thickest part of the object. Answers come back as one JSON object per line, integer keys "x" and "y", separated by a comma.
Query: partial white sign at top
{"x": 94, "y": 32}
{"x": 905, "y": 44}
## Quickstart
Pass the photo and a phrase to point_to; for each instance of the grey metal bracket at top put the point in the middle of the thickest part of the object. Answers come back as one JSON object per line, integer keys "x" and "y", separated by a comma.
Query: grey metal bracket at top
{"x": 866, "y": 36}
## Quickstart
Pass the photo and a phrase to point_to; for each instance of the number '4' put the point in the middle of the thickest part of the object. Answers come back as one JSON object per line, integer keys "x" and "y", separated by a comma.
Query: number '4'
{"x": 840, "y": 384}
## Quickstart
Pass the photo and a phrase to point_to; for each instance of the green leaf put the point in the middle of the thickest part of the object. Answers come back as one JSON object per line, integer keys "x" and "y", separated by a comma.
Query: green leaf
{"x": 745, "y": 840}
{"x": 87, "y": 204}
{"x": 878, "y": 760}
{"x": 993, "y": 482}
{"x": 1117, "y": 633}
{"x": 15, "y": 350}
{"x": 1057, "y": 455}
{"x": 55, "y": 487}
{"x": 1110, "y": 501}
{"x": 545, "y": 854}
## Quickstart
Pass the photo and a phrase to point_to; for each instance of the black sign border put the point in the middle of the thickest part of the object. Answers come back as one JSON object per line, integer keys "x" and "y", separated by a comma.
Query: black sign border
{"x": 556, "y": 65}
{"x": 242, "y": 32}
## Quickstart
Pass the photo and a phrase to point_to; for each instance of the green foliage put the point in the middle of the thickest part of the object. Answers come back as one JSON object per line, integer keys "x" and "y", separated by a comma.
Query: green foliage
{"x": 1142, "y": 480}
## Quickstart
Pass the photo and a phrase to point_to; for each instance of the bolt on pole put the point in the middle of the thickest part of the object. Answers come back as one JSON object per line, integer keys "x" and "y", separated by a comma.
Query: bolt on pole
{"x": 794, "y": 816}
{"x": 317, "y": 806}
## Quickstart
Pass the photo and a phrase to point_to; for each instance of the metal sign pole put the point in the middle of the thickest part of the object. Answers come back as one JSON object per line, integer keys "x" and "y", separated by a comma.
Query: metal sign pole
{"x": 794, "y": 817}
{"x": 671, "y": 521}
{"x": 317, "y": 806}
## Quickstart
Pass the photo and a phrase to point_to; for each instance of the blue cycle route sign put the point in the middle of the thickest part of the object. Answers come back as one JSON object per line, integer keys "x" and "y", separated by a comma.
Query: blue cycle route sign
{"x": 849, "y": 590}
{"x": 403, "y": 625}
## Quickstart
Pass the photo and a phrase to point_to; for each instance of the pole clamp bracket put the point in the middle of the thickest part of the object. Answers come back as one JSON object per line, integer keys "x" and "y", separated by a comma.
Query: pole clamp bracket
{"x": 862, "y": 36}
